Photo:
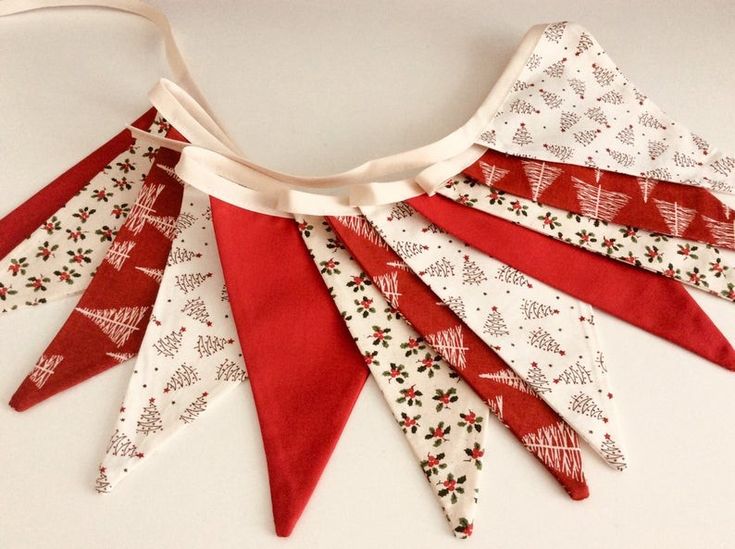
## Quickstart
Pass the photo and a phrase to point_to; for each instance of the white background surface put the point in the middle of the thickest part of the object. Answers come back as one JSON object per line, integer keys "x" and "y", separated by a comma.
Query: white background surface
{"x": 315, "y": 87}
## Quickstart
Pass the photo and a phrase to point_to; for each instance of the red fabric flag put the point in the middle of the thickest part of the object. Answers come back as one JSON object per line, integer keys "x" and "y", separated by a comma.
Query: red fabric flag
{"x": 514, "y": 403}
{"x": 24, "y": 219}
{"x": 304, "y": 369}
{"x": 656, "y": 304}
{"x": 685, "y": 211}
{"x": 107, "y": 326}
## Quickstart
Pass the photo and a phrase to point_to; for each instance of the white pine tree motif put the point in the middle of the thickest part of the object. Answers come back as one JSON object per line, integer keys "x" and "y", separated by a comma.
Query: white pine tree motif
{"x": 171, "y": 172}
{"x": 541, "y": 339}
{"x": 406, "y": 248}
{"x": 400, "y": 210}
{"x": 612, "y": 454}
{"x": 196, "y": 309}
{"x": 117, "y": 324}
{"x": 44, "y": 369}
{"x": 194, "y": 409}
{"x": 121, "y": 357}
{"x": 676, "y": 217}
{"x": 540, "y": 175}
{"x": 143, "y": 209}
{"x": 557, "y": 446}
{"x": 472, "y": 274}
{"x": 496, "y": 406}
{"x": 169, "y": 344}
{"x": 181, "y": 255}
{"x": 388, "y": 286}
{"x": 537, "y": 380}
{"x": 533, "y": 309}
{"x": 441, "y": 267}
{"x": 647, "y": 185}
{"x": 598, "y": 203}
{"x": 585, "y": 405}
{"x": 166, "y": 225}
{"x": 723, "y": 232}
{"x": 509, "y": 275}
{"x": 509, "y": 378}
{"x": 491, "y": 173}
{"x": 184, "y": 376}
{"x": 121, "y": 445}
{"x": 576, "y": 374}
{"x": 361, "y": 227}
{"x": 449, "y": 344}
{"x": 209, "y": 345}
{"x": 119, "y": 252}
{"x": 230, "y": 370}
{"x": 495, "y": 324}
{"x": 399, "y": 265}
{"x": 155, "y": 274}
{"x": 190, "y": 282}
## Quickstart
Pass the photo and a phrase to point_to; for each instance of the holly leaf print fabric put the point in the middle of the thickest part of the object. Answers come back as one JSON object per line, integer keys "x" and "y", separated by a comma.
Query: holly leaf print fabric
{"x": 60, "y": 257}
{"x": 570, "y": 103}
{"x": 683, "y": 211}
{"x": 189, "y": 357}
{"x": 107, "y": 326}
{"x": 699, "y": 265}
{"x": 509, "y": 398}
{"x": 443, "y": 419}
{"x": 548, "y": 338}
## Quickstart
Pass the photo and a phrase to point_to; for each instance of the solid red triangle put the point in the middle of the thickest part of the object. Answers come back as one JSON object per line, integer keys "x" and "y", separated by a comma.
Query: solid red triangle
{"x": 652, "y": 302}
{"x": 304, "y": 369}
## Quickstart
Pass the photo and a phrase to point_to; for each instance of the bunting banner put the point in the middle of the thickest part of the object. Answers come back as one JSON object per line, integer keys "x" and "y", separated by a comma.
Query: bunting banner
{"x": 548, "y": 338}
{"x": 189, "y": 357}
{"x": 304, "y": 369}
{"x": 702, "y": 266}
{"x": 107, "y": 325}
{"x": 541, "y": 431}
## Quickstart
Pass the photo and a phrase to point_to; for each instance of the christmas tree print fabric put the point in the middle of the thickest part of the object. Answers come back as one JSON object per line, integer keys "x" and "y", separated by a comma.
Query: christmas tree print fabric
{"x": 571, "y": 104}
{"x": 108, "y": 323}
{"x": 656, "y": 304}
{"x": 691, "y": 213}
{"x": 702, "y": 266}
{"x": 60, "y": 257}
{"x": 510, "y": 398}
{"x": 189, "y": 358}
{"x": 443, "y": 419}
{"x": 548, "y": 338}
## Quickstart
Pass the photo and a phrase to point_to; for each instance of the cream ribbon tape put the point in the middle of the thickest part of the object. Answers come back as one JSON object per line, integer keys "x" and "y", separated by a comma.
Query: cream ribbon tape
{"x": 213, "y": 162}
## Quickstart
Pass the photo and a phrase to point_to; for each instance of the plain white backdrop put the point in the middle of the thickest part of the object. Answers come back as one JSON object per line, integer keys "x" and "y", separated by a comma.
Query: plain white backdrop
{"x": 316, "y": 87}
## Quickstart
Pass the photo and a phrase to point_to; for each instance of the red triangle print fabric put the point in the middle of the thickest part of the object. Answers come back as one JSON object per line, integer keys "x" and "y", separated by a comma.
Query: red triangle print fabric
{"x": 658, "y": 305}
{"x": 678, "y": 210}
{"x": 24, "y": 219}
{"x": 107, "y": 326}
{"x": 304, "y": 369}
{"x": 510, "y": 398}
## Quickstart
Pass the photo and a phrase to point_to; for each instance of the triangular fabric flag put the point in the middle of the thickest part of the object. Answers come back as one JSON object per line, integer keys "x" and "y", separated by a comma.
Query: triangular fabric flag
{"x": 678, "y": 210}
{"x": 442, "y": 418}
{"x": 655, "y": 304}
{"x": 28, "y": 216}
{"x": 510, "y": 398}
{"x": 61, "y": 256}
{"x": 702, "y": 266}
{"x": 570, "y": 103}
{"x": 548, "y": 338}
{"x": 109, "y": 320}
{"x": 304, "y": 369}
{"x": 189, "y": 357}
